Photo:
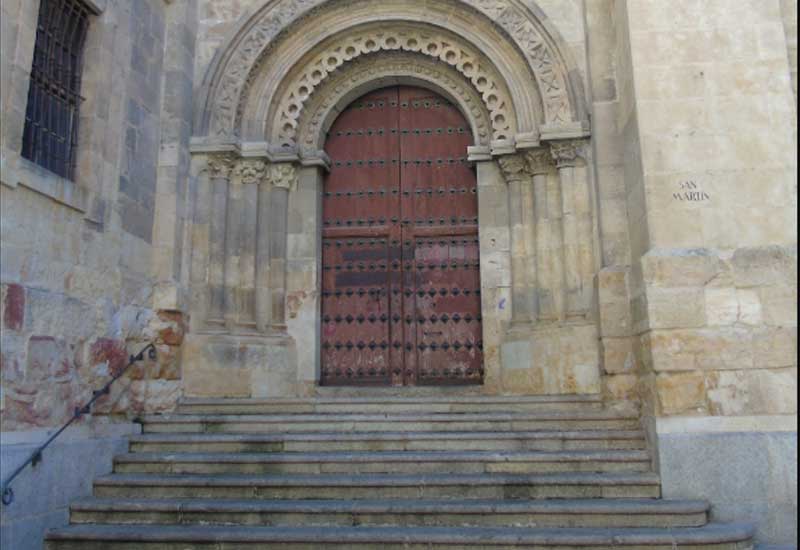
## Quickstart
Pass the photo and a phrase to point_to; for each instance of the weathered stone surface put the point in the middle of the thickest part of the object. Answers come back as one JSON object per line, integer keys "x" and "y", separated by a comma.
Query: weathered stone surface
{"x": 681, "y": 393}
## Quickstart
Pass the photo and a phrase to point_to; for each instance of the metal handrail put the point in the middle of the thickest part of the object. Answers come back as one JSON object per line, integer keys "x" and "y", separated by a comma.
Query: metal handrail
{"x": 36, "y": 456}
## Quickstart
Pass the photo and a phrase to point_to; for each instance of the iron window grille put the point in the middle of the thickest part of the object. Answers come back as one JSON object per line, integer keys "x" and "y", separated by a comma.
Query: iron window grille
{"x": 51, "y": 118}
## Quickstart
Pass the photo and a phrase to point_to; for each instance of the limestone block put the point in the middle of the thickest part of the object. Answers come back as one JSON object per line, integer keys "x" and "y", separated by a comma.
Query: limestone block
{"x": 705, "y": 349}
{"x": 679, "y": 267}
{"x": 681, "y": 393}
{"x": 722, "y": 306}
{"x": 762, "y": 266}
{"x": 48, "y": 359}
{"x": 621, "y": 387}
{"x": 239, "y": 366}
{"x": 613, "y": 302}
{"x": 774, "y": 347}
{"x": 675, "y": 308}
{"x": 618, "y": 355}
{"x": 779, "y": 305}
{"x": 555, "y": 360}
{"x": 752, "y": 392}
{"x": 749, "y": 307}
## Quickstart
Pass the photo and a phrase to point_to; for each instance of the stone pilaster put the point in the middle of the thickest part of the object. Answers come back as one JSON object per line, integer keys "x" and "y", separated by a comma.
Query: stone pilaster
{"x": 540, "y": 164}
{"x": 248, "y": 177}
{"x": 219, "y": 172}
{"x": 577, "y": 231}
{"x": 283, "y": 178}
{"x": 517, "y": 176}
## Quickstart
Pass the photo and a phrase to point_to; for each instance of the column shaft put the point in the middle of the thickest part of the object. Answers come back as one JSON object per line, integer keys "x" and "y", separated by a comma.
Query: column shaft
{"x": 263, "y": 295}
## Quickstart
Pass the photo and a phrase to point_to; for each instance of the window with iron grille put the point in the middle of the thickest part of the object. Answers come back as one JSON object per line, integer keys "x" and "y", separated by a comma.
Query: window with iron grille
{"x": 51, "y": 118}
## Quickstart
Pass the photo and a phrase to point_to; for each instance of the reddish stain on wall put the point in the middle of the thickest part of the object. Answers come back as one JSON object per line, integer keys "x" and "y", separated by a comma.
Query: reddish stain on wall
{"x": 113, "y": 351}
{"x": 14, "y": 307}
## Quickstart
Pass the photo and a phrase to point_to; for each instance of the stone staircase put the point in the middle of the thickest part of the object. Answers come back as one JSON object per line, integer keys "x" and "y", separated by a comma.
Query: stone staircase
{"x": 390, "y": 472}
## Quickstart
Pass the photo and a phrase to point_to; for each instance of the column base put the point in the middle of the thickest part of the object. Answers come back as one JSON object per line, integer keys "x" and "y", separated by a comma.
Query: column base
{"x": 239, "y": 365}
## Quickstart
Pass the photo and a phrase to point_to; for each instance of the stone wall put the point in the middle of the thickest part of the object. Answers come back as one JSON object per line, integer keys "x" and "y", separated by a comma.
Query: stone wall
{"x": 710, "y": 172}
{"x": 80, "y": 259}
{"x": 789, "y": 13}
{"x": 77, "y": 256}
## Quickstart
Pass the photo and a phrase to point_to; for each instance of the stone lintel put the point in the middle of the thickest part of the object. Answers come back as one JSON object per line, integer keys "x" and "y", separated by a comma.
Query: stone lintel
{"x": 570, "y": 130}
{"x": 479, "y": 153}
{"x": 503, "y": 147}
{"x": 527, "y": 140}
{"x": 316, "y": 158}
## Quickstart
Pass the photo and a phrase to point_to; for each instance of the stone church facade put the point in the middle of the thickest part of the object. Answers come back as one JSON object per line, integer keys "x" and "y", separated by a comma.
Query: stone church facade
{"x": 634, "y": 188}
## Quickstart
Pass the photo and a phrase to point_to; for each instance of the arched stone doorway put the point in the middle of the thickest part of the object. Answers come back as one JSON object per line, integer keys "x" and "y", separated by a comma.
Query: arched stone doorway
{"x": 400, "y": 249}
{"x": 260, "y": 160}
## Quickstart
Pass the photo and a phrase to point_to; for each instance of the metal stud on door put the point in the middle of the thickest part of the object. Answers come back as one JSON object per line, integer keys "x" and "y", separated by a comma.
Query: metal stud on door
{"x": 401, "y": 287}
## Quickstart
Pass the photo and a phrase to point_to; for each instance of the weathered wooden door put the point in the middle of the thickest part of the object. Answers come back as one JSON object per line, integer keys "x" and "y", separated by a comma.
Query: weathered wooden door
{"x": 400, "y": 285}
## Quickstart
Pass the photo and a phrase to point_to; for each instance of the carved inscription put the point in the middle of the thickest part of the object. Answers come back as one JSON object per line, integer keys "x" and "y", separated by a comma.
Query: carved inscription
{"x": 690, "y": 191}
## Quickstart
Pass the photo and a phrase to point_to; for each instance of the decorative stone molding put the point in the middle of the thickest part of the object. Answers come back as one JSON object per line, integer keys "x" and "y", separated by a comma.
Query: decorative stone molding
{"x": 544, "y": 61}
{"x": 283, "y": 175}
{"x": 250, "y": 171}
{"x": 234, "y": 69}
{"x": 540, "y": 161}
{"x": 439, "y": 45}
{"x": 220, "y": 166}
{"x": 399, "y": 67}
{"x": 514, "y": 167}
{"x": 566, "y": 153}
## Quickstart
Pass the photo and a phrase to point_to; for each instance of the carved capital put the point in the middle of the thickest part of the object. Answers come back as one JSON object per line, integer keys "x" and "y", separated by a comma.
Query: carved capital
{"x": 514, "y": 167}
{"x": 250, "y": 171}
{"x": 566, "y": 153}
{"x": 220, "y": 166}
{"x": 540, "y": 161}
{"x": 282, "y": 175}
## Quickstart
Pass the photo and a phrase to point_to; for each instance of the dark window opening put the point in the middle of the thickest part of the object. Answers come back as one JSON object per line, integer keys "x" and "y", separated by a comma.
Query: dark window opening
{"x": 51, "y": 117}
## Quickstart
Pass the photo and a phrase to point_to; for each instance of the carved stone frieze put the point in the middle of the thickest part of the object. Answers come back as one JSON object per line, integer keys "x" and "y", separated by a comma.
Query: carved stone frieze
{"x": 540, "y": 161}
{"x": 220, "y": 166}
{"x": 547, "y": 67}
{"x": 566, "y": 153}
{"x": 445, "y": 47}
{"x": 250, "y": 171}
{"x": 247, "y": 51}
{"x": 283, "y": 175}
{"x": 398, "y": 65}
{"x": 514, "y": 167}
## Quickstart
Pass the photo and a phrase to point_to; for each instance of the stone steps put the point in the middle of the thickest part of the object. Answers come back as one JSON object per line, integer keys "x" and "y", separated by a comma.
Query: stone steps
{"x": 461, "y": 462}
{"x": 345, "y": 471}
{"x": 128, "y": 537}
{"x": 595, "y": 513}
{"x": 301, "y": 422}
{"x": 385, "y": 486}
{"x": 392, "y": 404}
{"x": 552, "y": 440}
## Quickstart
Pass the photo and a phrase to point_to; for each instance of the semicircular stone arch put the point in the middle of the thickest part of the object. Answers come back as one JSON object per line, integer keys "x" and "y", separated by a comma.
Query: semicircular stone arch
{"x": 422, "y": 45}
{"x": 547, "y": 66}
{"x": 372, "y": 72}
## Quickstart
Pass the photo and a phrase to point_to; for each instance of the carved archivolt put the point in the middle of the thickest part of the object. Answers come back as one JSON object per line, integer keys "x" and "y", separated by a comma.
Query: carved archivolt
{"x": 234, "y": 69}
{"x": 440, "y": 46}
{"x": 394, "y": 67}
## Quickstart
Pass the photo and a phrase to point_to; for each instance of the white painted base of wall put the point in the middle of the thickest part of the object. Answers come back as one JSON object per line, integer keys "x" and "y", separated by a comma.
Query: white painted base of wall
{"x": 42, "y": 494}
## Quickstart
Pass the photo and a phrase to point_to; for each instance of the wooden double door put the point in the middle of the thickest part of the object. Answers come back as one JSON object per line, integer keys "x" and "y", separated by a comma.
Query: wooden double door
{"x": 401, "y": 300}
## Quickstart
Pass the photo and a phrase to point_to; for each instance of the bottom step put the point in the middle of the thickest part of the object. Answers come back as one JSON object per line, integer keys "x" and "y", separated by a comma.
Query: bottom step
{"x": 121, "y": 537}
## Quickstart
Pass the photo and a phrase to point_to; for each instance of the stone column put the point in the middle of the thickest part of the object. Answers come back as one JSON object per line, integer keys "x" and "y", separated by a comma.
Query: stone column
{"x": 250, "y": 175}
{"x": 263, "y": 234}
{"x": 577, "y": 228}
{"x": 283, "y": 178}
{"x": 219, "y": 171}
{"x": 515, "y": 171}
{"x": 540, "y": 164}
